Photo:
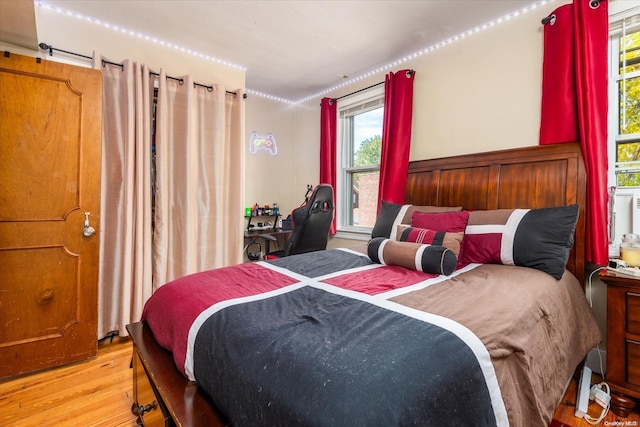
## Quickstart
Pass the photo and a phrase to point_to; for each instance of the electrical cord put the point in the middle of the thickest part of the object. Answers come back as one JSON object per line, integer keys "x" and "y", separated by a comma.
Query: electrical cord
{"x": 590, "y": 299}
{"x": 600, "y": 393}
{"x": 589, "y": 284}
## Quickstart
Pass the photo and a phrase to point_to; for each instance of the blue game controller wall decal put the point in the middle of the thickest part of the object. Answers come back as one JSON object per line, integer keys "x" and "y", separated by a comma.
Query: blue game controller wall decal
{"x": 266, "y": 143}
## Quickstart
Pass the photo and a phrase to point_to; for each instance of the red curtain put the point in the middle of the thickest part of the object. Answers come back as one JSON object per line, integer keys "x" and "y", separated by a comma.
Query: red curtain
{"x": 559, "y": 121}
{"x": 396, "y": 136}
{"x": 328, "y": 147}
{"x": 574, "y": 102}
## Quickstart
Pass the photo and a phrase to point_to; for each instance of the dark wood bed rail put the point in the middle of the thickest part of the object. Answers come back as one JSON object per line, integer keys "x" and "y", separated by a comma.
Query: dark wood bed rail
{"x": 531, "y": 177}
{"x": 184, "y": 402}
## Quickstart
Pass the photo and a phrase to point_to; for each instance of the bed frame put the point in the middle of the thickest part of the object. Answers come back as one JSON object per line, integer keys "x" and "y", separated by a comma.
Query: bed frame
{"x": 533, "y": 177}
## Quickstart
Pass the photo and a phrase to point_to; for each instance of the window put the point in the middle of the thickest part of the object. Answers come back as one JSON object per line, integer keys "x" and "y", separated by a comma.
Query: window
{"x": 359, "y": 147}
{"x": 624, "y": 126}
{"x": 625, "y": 101}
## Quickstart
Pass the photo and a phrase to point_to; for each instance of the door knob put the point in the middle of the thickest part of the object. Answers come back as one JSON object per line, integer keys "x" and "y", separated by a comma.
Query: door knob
{"x": 88, "y": 230}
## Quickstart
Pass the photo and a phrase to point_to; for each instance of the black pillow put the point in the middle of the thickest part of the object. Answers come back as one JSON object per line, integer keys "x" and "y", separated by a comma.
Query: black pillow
{"x": 386, "y": 217}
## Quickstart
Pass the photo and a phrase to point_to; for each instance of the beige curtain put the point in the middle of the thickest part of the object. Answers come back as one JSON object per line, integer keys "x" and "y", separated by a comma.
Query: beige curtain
{"x": 125, "y": 280}
{"x": 200, "y": 178}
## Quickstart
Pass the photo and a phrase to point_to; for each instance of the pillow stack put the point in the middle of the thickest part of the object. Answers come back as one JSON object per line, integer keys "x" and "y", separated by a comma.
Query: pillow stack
{"x": 392, "y": 214}
{"x": 535, "y": 238}
{"x": 396, "y": 242}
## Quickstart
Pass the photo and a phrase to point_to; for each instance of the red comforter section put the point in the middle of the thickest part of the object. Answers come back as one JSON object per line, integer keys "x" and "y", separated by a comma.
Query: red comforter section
{"x": 171, "y": 332}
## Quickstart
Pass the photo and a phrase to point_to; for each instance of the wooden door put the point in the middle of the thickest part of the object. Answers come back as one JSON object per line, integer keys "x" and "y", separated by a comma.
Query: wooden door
{"x": 50, "y": 146}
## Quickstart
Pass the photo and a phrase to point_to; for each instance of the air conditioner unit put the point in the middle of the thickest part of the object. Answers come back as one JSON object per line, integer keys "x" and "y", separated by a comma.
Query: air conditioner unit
{"x": 635, "y": 213}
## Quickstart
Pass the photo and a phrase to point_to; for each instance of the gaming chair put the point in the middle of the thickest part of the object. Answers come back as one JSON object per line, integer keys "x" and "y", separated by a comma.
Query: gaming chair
{"x": 311, "y": 223}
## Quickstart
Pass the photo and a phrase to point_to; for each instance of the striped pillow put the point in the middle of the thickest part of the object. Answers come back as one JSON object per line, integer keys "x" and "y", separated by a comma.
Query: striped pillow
{"x": 536, "y": 238}
{"x": 413, "y": 256}
{"x": 393, "y": 214}
{"x": 451, "y": 241}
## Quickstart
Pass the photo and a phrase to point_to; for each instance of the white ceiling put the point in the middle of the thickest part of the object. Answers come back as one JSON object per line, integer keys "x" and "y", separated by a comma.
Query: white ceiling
{"x": 294, "y": 49}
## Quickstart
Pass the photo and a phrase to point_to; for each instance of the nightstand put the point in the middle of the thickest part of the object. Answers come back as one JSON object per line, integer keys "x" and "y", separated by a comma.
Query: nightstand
{"x": 623, "y": 340}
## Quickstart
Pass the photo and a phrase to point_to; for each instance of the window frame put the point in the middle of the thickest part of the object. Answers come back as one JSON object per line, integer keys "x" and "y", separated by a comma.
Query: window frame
{"x": 374, "y": 96}
{"x": 615, "y": 138}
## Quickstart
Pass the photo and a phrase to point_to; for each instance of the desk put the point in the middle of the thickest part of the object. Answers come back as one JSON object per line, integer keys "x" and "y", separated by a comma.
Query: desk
{"x": 269, "y": 221}
{"x": 267, "y": 236}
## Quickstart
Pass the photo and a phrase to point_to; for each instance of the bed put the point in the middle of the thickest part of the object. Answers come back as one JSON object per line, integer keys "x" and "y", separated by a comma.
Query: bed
{"x": 352, "y": 336}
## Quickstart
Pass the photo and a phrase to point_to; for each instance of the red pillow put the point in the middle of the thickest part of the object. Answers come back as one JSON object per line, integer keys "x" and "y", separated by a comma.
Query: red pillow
{"x": 452, "y": 222}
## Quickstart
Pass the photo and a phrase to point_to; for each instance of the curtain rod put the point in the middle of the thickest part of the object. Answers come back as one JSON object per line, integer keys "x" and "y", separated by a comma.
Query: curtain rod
{"x": 50, "y": 48}
{"x": 368, "y": 87}
{"x": 359, "y": 90}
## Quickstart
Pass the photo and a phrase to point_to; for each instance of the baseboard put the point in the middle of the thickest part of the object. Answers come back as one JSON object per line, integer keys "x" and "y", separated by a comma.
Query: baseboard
{"x": 593, "y": 360}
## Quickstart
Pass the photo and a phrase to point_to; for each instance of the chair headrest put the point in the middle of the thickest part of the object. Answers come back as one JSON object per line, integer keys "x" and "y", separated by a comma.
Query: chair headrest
{"x": 321, "y": 200}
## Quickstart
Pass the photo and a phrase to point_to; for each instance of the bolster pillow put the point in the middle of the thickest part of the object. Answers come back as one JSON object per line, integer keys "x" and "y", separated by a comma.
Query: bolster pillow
{"x": 413, "y": 256}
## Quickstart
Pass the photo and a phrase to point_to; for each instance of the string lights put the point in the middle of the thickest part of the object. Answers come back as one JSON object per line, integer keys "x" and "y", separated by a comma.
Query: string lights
{"x": 424, "y": 51}
{"x": 379, "y": 70}
{"x": 140, "y": 36}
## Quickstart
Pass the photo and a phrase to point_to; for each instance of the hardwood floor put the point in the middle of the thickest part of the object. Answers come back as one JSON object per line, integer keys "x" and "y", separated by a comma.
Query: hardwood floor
{"x": 99, "y": 392}
{"x": 565, "y": 412}
{"x": 95, "y": 393}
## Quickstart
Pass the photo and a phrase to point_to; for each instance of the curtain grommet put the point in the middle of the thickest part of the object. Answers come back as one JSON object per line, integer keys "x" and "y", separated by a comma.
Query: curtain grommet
{"x": 594, "y": 4}
{"x": 551, "y": 19}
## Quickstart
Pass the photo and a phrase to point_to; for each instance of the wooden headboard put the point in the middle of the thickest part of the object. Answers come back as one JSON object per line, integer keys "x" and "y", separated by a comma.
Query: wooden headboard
{"x": 531, "y": 177}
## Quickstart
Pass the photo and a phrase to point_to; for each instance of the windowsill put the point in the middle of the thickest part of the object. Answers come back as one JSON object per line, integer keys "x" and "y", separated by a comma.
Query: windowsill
{"x": 363, "y": 235}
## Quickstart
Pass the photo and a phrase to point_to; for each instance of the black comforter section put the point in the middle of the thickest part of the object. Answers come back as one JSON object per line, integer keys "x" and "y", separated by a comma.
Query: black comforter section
{"x": 321, "y": 263}
{"x": 310, "y": 357}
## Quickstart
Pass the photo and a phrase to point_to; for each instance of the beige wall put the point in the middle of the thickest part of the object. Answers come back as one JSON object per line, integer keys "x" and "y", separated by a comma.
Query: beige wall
{"x": 478, "y": 94}
{"x": 282, "y": 178}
